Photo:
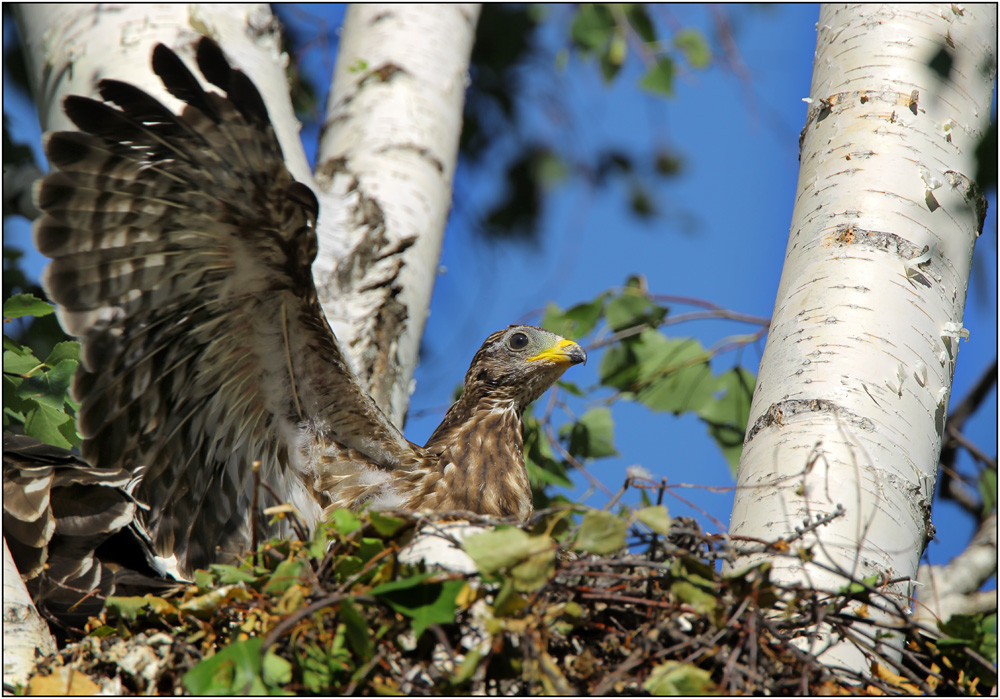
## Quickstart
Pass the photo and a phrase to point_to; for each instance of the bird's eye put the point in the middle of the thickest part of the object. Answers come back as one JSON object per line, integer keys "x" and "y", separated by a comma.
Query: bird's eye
{"x": 517, "y": 341}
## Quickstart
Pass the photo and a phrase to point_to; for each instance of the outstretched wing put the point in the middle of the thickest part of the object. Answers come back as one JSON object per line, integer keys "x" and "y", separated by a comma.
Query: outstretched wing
{"x": 181, "y": 251}
{"x": 56, "y": 511}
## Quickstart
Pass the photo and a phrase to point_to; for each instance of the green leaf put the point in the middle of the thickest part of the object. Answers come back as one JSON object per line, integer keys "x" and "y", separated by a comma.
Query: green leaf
{"x": 730, "y": 442}
{"x": 735, "y": 393}
{"x": 36, "y": 388}
{"x": 320, "y": 542}
{"x": 275, "y": 671}
{"x": 549, "y": 169}
{"x": 356, "y": 629}
{"x": 369, "y": 548}
{"x": 656, "y": 518}
{"x": 203, "y": 580}
{"x": 425, "y": 604}
{"x": 727, "y": 414}
{"x": 575, "y": 322}
{"x": 20, "y": 305}
{"x": 683, "y": 380}
{"x": 229, "y": 574}
{"x": 694, "y": 584}
{"x": 695, "y": 572}
{"x": 69, "y": 433}
{"x": 531, "y": 559}
{"x": 639, "y": 19}
{"x": 703, "y": 602}
{"x": 60, "y": 377}
{"x": 693, "y": 45}
{"x": 62, "y": 351}
{"x": 20, "y": 363}
{"x": 620, "y": 366}
{"x": 346, "y": 566}
{"x": 502, "y": 548}
{"x": 631, "y": 309}
{"x": 650, "y": 355}
{"x": 592, "y": 27}
{"x": 684, "y": 389}
{"x": 539, "y": 461}
{"x": 988, "y": 490}
{"x": 288, "y": 573}
{"x": 540, "y": 477}
{"x": 397, "y": 585}
{"x": 239, "y": 669}
{"x": 538, "y": 569}
{"x": 674, "y": 678}
{"x": 345, "y": 521}
{"x": 468, "y": 668}
{"x": 601, "y": 533}
{"x": 659, "y": 79}
{"x": 977, "y": 632}
{"x": 613, "y": 56}
{"x": 13, "y": 404}
{"x": 384, "y": 524}
{"x": 42, "y": 422}
{"x": 592, "y": 436}
{"x": 130, "y": 608}
{"x": 208, "y": 604}
{"x": 571, "y": 388}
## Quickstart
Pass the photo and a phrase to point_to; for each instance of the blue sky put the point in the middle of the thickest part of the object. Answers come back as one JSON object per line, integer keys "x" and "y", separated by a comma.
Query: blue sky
{"x": 722, "y": 237}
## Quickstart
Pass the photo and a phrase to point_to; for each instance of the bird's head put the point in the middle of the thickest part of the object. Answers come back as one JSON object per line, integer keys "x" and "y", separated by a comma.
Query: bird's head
{"x": 520, "y": 363}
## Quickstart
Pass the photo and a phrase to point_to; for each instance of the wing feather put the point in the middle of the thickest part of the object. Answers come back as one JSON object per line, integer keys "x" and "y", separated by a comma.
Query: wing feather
{"x": 182, "y": 251}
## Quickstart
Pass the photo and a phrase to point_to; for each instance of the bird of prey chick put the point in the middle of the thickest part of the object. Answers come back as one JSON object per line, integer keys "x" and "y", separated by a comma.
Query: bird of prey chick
{"x": 181, "y": 256}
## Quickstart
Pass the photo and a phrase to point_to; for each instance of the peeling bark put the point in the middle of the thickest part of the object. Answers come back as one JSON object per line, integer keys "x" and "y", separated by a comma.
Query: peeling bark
{"x": 387, "y": 153}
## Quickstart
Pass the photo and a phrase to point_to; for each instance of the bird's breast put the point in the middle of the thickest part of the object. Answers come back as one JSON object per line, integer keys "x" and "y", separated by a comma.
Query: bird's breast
{"x": 482, "y": 467}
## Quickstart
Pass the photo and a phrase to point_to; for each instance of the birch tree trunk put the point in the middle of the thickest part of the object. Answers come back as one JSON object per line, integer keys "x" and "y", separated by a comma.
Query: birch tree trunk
{"x": 854, "y": 382}
{"x": 387, "y": 157}
{"x": 25, "y": 634}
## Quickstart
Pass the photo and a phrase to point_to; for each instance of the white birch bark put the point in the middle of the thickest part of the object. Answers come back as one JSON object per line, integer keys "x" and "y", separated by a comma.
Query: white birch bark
{"x": 854, "y": 382}
{"x": 25, "y": 635}
{"x": 388, "y": 153}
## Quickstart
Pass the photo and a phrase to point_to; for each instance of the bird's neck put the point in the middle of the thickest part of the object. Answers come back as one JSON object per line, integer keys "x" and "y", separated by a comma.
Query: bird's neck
{"x": 475, "y": 402}
{"x": 481, "y": 439}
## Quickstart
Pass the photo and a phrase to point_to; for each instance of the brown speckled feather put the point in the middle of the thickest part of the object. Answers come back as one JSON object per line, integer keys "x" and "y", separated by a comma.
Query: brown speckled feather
{"x": 57, "y": 510}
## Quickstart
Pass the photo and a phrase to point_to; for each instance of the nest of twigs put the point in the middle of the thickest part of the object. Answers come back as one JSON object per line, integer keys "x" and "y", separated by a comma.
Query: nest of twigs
{"x": 341, "y": 614}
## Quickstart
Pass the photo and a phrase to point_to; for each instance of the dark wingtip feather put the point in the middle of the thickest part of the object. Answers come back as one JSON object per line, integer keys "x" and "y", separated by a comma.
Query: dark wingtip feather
{"x": 51, "y": 235}
{"x": 302, "y": 194}
{"x": 213, "y": 64}
{"x": 101, "y": 119}
{"x": 66, "y": 148}
{"x": 134, "y": 101}
{"x": 181, "y": 82}
{"x": 55, "y": 189}
{"x": 89, "y": 115}
{"x": 238, "y": 87}
{"x": 247, "y": 99}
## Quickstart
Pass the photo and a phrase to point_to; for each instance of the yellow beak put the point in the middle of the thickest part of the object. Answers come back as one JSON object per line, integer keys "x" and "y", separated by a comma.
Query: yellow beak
{"x": 564, "y": 352}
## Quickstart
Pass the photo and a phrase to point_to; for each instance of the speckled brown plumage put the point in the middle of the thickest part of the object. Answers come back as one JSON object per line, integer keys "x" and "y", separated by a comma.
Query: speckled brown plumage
{"x": 181, "y": 255}
{"x": 473, "y": 461}
{"x": 57, "y": 510}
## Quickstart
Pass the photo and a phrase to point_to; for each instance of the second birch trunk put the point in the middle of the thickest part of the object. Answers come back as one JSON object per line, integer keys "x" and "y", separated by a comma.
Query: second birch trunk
{"x": 854, "y": 383}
